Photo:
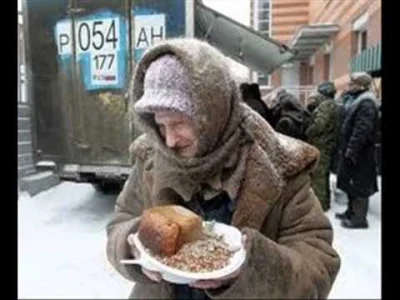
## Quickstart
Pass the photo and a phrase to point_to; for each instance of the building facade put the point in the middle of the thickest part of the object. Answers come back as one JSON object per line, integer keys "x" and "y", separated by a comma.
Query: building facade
{"x": 332, "y": 38}
{"x": 260, "y": 20}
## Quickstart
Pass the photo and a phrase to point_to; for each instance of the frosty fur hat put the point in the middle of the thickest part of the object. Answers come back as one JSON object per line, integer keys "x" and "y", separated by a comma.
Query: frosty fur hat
{"x": 166, "y": 87}
{"x": 362, "y": 79}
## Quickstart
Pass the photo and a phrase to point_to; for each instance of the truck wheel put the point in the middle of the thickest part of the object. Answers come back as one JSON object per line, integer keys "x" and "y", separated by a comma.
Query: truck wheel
{"x": 107, "y": 187}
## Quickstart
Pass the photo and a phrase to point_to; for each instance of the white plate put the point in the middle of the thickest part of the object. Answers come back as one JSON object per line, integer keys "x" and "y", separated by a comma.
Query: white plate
{"x": 231, "y": 235}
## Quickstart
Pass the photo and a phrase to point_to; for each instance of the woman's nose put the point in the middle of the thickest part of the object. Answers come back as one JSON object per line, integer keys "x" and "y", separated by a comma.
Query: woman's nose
{"x": 171, "y": 139}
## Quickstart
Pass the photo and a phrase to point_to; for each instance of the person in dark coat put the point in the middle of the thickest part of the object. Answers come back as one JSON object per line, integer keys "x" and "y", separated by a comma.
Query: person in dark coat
{"x": 335, "y": 152}
{"x": 252, "y": 97}
{"x": 379, "y": 140}
{"x": 289, "y": 116}
{"x": 312, "y": 101}
{"x": 357, "y": 174}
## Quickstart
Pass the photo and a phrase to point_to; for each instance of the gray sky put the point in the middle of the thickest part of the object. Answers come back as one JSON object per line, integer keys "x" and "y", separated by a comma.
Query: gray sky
{"x": 19, "y": 9}
{"x": 238, "y": 10}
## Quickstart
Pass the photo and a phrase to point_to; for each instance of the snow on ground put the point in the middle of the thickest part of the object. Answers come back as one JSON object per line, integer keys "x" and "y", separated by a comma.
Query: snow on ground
{"x": 61, "y": 248}
{"x": 360, "y": 251}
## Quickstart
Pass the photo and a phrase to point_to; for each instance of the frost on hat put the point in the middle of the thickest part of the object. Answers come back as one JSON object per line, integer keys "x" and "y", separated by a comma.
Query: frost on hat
{"x": 361, "y": 78}
{"x": 166, "y": 87}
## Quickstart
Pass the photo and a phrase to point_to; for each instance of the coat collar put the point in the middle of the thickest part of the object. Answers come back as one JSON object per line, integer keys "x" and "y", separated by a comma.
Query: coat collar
{"x": 260, "y": 189}
{"x": 272, "y": 160}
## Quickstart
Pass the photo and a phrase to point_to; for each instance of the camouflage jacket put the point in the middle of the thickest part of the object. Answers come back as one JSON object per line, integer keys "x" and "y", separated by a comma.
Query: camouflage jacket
{"x": 323, "y": 129}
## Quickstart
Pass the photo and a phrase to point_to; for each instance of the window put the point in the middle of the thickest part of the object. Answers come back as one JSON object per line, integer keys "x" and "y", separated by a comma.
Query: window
{"x": 263, "y": 26}
{"x": 263, "y": 4}
{"x": 361, "y": 34}
{"x": 362, "y": 41}
{"x": 359, "y": 42}
{"x": 263, "y": 79}
{"x": 262, "y": 22}
{"x": 263, "y": 15}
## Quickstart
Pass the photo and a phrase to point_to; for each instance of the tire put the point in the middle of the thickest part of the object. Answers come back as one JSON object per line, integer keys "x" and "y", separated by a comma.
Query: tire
{"x": 107, "y": 187}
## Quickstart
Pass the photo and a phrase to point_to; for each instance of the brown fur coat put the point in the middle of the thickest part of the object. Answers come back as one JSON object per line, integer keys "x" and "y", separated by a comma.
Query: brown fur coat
{"x": 291, "y": 254}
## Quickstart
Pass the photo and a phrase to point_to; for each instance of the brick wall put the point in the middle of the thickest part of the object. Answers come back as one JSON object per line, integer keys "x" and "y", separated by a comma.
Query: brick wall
{"x": 287, "y": 17}
{"x": 374, "y": 28}
{"x": 344, "y": 44}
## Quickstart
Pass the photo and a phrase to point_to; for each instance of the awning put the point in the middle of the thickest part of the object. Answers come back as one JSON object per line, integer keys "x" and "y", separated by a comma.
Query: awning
{"x": 368, "y": 60}
{"x": 308, "y": 39}
{"x": 239, "y": 42}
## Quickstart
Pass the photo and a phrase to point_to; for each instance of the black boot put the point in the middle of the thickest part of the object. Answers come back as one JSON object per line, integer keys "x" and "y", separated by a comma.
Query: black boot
{"x": 349, "y": 211}
{"x": 359, "y": 219}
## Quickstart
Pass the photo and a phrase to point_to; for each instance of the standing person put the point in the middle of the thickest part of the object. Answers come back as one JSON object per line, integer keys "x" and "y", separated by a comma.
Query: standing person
{"x": 344, "y": 98}
{"x": 272, "y": 102}
{"x": 205, "y": 150}
{"x": 347, "y": 98}
{"x": 312, "y": 101}
{"x": 322, "y": 133}
{"x": 271, "y": 98}
{"x": 379, "y": 139}
{"x": 252, "y": 97}
{"x": 289, "y": 116}
{"x": 357, "y": 174}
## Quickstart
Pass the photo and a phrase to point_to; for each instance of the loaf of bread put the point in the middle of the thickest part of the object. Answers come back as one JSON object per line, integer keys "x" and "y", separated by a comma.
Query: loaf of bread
{"x": 164, "y": 229}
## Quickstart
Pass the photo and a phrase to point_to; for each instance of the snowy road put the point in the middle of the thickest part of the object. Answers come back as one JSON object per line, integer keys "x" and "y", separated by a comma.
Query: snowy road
{"x": 61, "y": 248}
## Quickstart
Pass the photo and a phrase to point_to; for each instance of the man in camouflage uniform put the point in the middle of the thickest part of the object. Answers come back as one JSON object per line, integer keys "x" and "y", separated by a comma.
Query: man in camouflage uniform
{"x": 322, "y": 133}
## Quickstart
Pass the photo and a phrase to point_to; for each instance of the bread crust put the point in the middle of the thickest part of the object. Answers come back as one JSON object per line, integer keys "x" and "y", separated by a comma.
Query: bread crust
{"x": 164, "y": 229}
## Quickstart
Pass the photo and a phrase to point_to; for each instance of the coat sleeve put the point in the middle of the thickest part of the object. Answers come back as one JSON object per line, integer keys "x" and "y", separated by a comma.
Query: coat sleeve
{"x": 320, "y": 120}
{"x": 363, "y": 128}
{"x": 300, "y": 264}
{"x": 128, "y": 209}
